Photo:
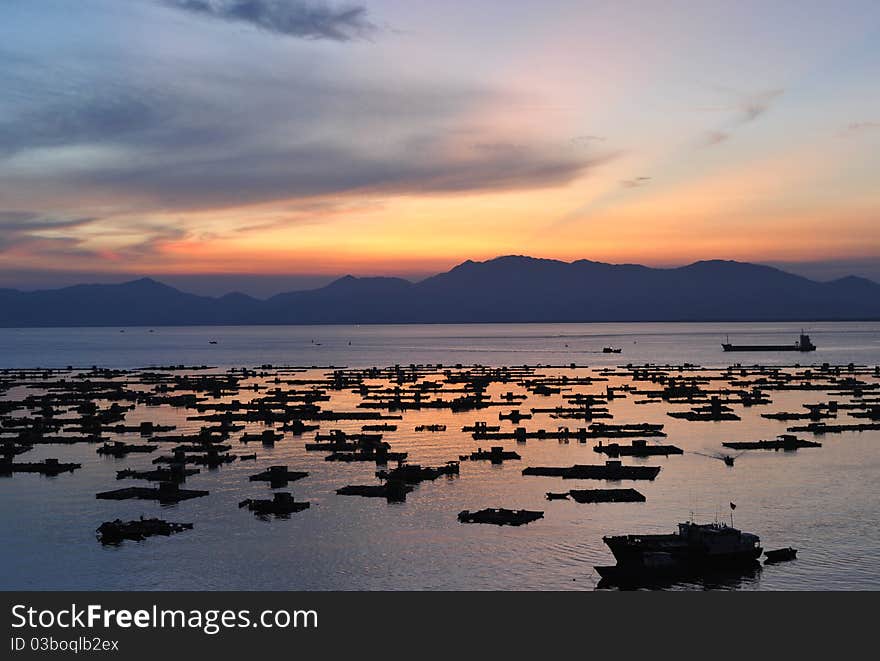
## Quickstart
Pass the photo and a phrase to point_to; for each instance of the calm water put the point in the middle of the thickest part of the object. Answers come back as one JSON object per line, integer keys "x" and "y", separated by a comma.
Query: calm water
{"x": 823, "y": 501}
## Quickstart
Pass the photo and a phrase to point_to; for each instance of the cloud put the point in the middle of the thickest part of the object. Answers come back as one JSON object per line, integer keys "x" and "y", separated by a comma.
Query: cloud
{"x": 141, "y": 130}
{"x": 21, "y": 227}
{"x": 753, "y": 106}
{"x": 712, "y": 138}
{"x": 859, "y": 127}
{"x": 24, "y": 223}
{"x": 743, "y": 109}
{"x": 242, "y": 139}
{"x": 31, "y": 233}
{"x": 292, "y": 18}
{"x": 583, "y": 140}
{"x": 635, "y": 182}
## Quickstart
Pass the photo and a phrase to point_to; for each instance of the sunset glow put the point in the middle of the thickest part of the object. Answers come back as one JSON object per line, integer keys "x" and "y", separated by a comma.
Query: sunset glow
{"x": 142, "y": 137}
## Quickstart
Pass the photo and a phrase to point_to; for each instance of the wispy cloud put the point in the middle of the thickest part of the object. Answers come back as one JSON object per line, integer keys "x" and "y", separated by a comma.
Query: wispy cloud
{"x": 20, "y": 227}
{"x": 635, "y": 182}
{"x": 292, "y": 18}
{"x": 752, "y": 106}
{"x": 29, "y": 233}
{"x": 712, "y": 138}
{"x": 245, "y": 140}
{"x": 742, "y": 109}
{"x": 859, "y": 127}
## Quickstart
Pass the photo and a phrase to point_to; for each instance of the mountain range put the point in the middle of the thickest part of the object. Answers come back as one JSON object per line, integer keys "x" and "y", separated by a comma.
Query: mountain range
{"x": 504, "y": 289}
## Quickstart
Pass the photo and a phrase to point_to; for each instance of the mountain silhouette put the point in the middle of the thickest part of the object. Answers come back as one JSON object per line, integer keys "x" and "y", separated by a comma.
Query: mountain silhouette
{"x": 505, "y": 289}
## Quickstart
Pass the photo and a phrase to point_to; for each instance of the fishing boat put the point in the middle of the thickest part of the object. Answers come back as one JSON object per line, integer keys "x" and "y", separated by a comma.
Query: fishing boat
{"x": 693, "y": 548}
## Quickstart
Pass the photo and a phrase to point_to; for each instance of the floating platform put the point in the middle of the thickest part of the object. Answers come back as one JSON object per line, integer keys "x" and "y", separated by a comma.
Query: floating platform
{"x": 638, "y": 448}
{"x": 49, "y": 467}
{"x": 166, "y": 492}
{"x": 267, "y": 437}
{"x": 281, "y": 505}
{"x": 114, "y": 532}
{"x": 119, "y": 449}
{"x": 430, "y": 428}
{"x": 381, "y": 428}
{"x": 607, "y": 496}
{"x": 413, "y": 473}
{"x": 480, "y": 428}
{"x": 785, "y": 442}
{"x": 596, "y": 430}
{"x": 496, "y": 455}
{"x": 393, "y": 491}
{"x": 175, "y": 473}
{"x": 822, "y": 428}
{"x": 515, "y": 416}
{"x": 500, "y": 516}
{"x": 278, "y": 476}
{"x": 381, "y": 458}
{"x": 610, "y": 470}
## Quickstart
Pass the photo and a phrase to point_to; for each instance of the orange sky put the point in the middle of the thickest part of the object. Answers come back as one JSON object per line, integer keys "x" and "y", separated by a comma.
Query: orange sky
{"x": 616, "y": 133}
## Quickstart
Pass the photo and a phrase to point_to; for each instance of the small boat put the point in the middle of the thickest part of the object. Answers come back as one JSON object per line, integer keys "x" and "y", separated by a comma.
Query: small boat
{"x": 557, "y": 496}
{"x": 611, "y": 349}
{"x": 780, "y": 555}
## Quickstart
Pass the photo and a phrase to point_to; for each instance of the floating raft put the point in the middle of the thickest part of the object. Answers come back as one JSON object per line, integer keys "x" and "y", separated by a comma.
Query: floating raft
{"x": 120, "y": 449}
{"x": 200, "y": 448}
{"x": 380, "y": 458}
{"x": 596, "y": 430}
{"x": 413, "y": 473}
{"x": 480, "y": 428}
{"x": 785, "y": 442}
{"x": 637, "y": 448}
{"x": 114, "y": 532}
{"x": 611, "y": 470}
{"x": 393, "y": 491}
{"x": 166, "y": 492}
{"x": 267, "y": 437}
{"x": 278, "y": 476}
{"x": 515, "y": 416}
{"x": 607, "y": 496}
{"x": 500, "y": 516}
{"x": 381, "y": 427}
{"x": 496, "y": 455}
{"x": 176, "y": 473}
{"x": 281, "y": 505}
{"x": 209, "y": 459}
{"x": 49, "y": 467}
{"x": 822, "y": 428}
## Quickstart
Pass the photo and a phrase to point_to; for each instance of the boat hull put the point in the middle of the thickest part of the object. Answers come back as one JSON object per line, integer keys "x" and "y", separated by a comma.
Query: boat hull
{"x": 626, "y": 577}
{"x": 767, "y": 347}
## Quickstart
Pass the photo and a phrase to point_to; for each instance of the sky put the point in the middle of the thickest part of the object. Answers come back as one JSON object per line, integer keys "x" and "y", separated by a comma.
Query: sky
{"x": 264, "y": 145}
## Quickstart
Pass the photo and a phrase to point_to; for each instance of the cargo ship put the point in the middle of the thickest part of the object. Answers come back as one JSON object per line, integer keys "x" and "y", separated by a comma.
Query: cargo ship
{"x": 803, "y": 344}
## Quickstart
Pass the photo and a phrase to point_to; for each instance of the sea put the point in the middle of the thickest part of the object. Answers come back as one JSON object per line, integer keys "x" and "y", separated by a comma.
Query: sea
{"x": 823, "y": 501}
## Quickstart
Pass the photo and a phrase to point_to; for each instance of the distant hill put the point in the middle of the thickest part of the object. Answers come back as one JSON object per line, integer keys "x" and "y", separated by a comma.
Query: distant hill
{"x": 505, "y": 289}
